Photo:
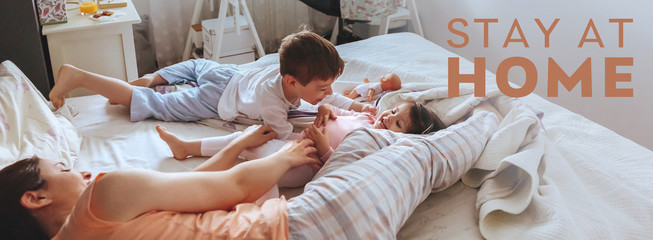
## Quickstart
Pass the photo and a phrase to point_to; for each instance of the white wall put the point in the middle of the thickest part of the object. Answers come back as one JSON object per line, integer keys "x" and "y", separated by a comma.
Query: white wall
{"x": 628, "y": 116}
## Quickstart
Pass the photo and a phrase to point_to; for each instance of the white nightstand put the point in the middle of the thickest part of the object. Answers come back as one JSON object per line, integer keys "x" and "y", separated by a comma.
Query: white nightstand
{"x": 105, "y": 48}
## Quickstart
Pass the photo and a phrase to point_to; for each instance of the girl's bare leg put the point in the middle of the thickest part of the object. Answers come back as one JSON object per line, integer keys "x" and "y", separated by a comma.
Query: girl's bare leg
{"x": 70, "y": 77}
{"x": 180, "y": 149}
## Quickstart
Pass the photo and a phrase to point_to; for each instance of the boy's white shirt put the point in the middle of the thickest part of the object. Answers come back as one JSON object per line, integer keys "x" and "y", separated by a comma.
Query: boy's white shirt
{"x": 258, "y": 94}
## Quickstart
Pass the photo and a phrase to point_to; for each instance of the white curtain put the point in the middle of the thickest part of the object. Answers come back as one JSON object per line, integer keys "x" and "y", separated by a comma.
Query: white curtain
{"x": 274, "y": 19}
{"x": 278, "y": 18}
{"x": 170, "y": 22}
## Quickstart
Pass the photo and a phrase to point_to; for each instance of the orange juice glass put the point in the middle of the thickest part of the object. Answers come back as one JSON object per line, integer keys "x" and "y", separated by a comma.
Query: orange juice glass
{"x": 88, "y": 8}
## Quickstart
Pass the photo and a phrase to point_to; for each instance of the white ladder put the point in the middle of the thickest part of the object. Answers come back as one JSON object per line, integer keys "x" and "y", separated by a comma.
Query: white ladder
{"x": 219, "y": 29}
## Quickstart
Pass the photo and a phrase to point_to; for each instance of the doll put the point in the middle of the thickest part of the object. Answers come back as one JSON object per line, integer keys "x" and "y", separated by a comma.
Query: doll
{"x": 389, "y": 82}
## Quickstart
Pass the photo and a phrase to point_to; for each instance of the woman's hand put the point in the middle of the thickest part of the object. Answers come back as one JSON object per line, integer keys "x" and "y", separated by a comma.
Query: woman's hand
{"x": 324, "y": 113}
{"x": 298, "y": 153}
{"x": 255, "y": 136}
{"x": 319, "y": 137}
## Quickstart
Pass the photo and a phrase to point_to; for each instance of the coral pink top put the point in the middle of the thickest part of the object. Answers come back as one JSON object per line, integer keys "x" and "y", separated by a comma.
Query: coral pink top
{"x": 246, "y": 221}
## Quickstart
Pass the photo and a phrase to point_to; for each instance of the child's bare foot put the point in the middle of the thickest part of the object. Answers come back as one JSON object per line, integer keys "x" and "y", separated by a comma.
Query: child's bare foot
{"x": 175, "y": 144}
{"x": 66, "y": 81}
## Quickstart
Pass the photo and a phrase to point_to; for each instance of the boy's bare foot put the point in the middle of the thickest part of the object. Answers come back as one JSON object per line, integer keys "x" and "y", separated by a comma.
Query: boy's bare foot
{"x": 175, "y": 144}
{"x": 66, "y": 81}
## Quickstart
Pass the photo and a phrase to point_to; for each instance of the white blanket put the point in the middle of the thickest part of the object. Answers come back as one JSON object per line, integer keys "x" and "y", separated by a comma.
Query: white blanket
{"x": 28, "y": 126}
{"x": 531, "y": 187}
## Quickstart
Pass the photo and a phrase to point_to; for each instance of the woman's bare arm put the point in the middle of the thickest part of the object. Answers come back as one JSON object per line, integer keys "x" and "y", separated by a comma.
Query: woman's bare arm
{"x": 123, "y": 195}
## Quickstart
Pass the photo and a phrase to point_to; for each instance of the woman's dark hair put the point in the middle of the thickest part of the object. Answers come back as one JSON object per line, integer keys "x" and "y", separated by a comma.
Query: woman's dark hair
{"x": 16, "y": 179}
{"x": 423, "y": 119}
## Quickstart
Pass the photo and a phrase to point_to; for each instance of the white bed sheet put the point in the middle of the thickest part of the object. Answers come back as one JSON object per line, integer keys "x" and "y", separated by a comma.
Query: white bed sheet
{"x": 110, "y": 141}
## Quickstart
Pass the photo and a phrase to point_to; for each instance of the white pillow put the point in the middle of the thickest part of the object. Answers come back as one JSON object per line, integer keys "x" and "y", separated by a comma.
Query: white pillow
{"x": 28, "y": 126}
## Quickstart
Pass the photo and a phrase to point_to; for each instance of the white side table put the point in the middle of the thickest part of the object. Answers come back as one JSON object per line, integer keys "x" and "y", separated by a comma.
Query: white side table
{"x": 105, "y": 48}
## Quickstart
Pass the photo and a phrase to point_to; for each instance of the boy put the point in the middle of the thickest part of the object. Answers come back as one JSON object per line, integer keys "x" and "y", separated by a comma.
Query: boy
{"x": 308, "y": 66}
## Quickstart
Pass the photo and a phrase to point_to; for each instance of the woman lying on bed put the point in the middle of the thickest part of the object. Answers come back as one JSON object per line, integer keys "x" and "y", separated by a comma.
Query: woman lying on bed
{"x": 381, "y": 178}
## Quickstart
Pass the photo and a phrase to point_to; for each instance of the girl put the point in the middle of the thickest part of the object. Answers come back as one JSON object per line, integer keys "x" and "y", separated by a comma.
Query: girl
{"x": 407, "y": 117}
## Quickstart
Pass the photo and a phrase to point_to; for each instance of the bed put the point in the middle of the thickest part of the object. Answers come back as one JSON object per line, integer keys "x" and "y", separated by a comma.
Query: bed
{"x": 551, "y": 174}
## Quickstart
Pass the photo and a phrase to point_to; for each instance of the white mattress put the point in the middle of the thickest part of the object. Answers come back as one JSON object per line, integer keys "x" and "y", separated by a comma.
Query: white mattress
{"x": 110, "y": 141}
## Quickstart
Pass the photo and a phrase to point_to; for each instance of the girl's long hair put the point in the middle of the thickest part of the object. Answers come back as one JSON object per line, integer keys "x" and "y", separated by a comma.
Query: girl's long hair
{"x": 424, "y": 120}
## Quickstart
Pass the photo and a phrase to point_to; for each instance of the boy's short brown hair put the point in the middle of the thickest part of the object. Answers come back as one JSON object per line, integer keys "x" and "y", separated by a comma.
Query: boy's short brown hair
{"x": 306, "y": 55}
